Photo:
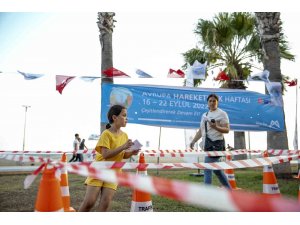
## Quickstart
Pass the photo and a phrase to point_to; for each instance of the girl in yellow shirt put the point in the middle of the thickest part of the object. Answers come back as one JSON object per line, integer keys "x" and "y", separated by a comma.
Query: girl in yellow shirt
{"x": 111, "y": 147}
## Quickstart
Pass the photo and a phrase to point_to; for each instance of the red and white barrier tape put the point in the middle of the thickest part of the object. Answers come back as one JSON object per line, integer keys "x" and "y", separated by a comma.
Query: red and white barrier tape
{"x": 191, "y": 193}
{"x": 197, "y": 194}
{"x": 172, "y": 153}
{"x": 26, "y": 158}
{"x": 237, "y": 164}
{"x": 89, "y": 151}
{"x": 125, "y": 165}
{"x": 216, "y": 153}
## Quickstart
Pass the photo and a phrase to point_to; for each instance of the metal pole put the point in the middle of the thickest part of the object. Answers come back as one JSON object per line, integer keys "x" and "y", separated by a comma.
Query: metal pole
{"x": 157, "y": 172}
{"x": 296, "y": 124}
{"x": 249, "y": 145}
{"x": 26, "y": 107}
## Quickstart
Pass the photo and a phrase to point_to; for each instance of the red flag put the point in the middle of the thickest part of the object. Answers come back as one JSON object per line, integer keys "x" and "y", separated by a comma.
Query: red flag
{"x": 175, "y": 74}
{"x": 222, "y": 76}
{"x": 113, "y": 72}
{"x": 291, "y": 83}
{"x": 62, "y": 81}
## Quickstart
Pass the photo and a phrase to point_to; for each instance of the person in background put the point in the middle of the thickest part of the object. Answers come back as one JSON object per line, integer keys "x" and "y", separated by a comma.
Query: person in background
{"x": 112, "y": 146}
{"x": 76, "y": 143}
{"x": 217, "y": 122}
{"x": 229, "y": 148}
{"x": 82, "y": 147}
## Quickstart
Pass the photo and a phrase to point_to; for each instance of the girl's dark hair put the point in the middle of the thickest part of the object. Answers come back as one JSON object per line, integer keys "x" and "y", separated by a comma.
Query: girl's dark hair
{"x": 213, "y": 95}
{"x": 114, "y": 110}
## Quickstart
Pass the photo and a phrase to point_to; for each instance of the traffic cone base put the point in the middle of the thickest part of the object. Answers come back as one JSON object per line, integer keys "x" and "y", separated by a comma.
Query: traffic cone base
{"x": 49, "y": 195}
{"x": 141, "y": 201}
{"x": 270, "y": 185}
{"x": 141, "y": 206}
{"x": 64, "y": 186}
{"x": 230, "y": 176}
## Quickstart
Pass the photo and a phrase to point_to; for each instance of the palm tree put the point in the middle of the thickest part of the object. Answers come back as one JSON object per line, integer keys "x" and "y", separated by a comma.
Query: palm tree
{"x": 106, "y": 25}
{"x": 229, "y": 41}
{"x": 270, "y": 32}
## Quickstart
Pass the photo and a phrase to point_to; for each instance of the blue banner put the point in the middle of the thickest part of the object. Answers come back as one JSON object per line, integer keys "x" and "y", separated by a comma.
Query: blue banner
{"x": 182, "y": 107}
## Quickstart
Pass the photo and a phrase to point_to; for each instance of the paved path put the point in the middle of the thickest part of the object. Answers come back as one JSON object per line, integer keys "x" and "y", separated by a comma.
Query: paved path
{"x": 17, "y": 168}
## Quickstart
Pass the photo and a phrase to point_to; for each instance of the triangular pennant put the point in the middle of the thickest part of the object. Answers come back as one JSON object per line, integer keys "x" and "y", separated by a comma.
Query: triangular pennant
{"x": 222, "y": 76}
{"x": 113, "y": 72}
{"x": 175, "y": 74}
{"x": 142, "y": 74}
{"x": 88, "y": 78}
{"x": 291, "y": 83}
{"x": 62, "y": 81}
{"x": 262, "y": 76}
{"x": 30, "y": 76}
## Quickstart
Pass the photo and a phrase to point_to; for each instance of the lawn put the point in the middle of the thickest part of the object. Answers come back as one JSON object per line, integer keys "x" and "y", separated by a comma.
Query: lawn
{"x": 13, "y": 198}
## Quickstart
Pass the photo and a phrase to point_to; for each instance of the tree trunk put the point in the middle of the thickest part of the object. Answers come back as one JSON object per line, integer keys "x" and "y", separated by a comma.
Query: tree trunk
{"x": 105, "y": 24}
{"x": 239, "y": 136}
{"x": 269, "y": 30}
{"x": 239, "y": 143}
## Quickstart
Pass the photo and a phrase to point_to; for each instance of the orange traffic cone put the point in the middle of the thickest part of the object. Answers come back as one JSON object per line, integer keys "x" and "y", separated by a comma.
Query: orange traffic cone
{"x": 64, "y": 186}
{"x": 49, "y": 196}
{"x": 141, "y": 201}
{"x": 270, "y": 185}
{"x": 230, "y": 175}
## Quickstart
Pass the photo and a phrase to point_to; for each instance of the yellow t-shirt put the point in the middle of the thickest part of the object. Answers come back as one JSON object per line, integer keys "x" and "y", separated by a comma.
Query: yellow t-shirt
{"x": 111, "y": 141}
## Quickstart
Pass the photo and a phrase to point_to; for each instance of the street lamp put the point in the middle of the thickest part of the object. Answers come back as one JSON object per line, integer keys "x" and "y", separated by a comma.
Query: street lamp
{"x": 26, "y": 107}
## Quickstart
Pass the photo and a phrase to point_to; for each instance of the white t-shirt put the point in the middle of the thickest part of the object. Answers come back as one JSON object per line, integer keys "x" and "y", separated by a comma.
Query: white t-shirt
{"x": 74, "y": 144}
{"x": 221, "y": 117}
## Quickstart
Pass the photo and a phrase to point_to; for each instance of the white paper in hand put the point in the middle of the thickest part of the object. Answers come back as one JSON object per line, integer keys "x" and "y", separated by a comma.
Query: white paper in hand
{"x": 136, "y": 145}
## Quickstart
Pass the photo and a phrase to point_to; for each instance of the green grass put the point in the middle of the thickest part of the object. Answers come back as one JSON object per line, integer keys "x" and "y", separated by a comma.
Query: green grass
{"x": 13, "y": 198}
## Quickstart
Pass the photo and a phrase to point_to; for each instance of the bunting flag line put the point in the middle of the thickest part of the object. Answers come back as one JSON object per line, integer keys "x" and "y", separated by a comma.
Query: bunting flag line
{"x": 291, "y": 83}
{"x": 262, "y": 76}
{"x": 62, "y": 81}
{"x": 222, "y": 76}
{"x": 175, "y": 74}
{"x": 30, "y": 76}
{"x": 113, "y": 72}
{"x": 142, "y": 74}
{"x": 88, "y": 78}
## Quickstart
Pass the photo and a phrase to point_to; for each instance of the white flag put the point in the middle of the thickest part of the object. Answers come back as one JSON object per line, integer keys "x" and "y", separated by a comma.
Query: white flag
{"x": 197, "y": 70}
{"x": 263, "y": 76}
{"x": 274, "y": 89}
